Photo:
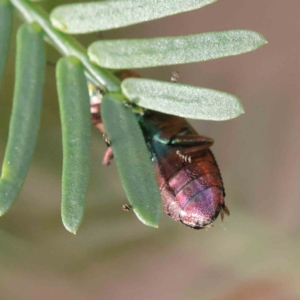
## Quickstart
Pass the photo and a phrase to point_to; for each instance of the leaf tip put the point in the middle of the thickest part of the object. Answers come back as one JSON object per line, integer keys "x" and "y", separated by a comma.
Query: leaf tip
{"x": 5, "y": 201}
{"x": 240, "y": 111}
{"x": 4, "y": 207}
{"x": 150, "y": 224}
{"x": 71, "y": 224}
{"x": 147, "y": 220}
{"x": 70, "y": 228}
{"x": 263, "y": 40}
{"x": 259, "y": 38}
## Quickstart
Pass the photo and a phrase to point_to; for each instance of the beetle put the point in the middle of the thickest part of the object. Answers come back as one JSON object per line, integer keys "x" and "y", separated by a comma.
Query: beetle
{"x": 187, "y": 173}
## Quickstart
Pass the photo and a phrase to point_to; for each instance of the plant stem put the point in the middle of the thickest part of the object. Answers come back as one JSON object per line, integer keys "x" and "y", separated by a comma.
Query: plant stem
{"x": 67, "y": 45}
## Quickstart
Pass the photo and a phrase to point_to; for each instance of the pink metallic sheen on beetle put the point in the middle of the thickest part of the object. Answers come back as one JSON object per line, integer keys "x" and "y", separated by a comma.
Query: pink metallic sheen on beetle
{"x": 187, "y": 174}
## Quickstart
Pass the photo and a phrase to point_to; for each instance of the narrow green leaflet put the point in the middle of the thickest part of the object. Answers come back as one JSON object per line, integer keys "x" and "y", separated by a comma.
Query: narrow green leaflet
{"x": 109, "y": 14}
{"x": 133, "y": 159}
{"x": 74, "y": 105}
{"x": 5, "y": 28}
{"x": 141, "y": 53}
{"x": 25, "y": 117}
{"x": 182, "y": 100}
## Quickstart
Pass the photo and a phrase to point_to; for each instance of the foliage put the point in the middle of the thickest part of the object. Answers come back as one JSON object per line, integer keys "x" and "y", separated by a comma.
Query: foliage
{"x": 135, "y": 168}
{"x": 25, "y": 117}
{"x": 130, "y": 150}
{"x": 76, "y": 133}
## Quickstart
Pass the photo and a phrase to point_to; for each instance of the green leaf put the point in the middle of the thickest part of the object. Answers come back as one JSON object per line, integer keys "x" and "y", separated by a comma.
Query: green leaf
{"x": 104, "y": 15}
{"x": 182, "y": 100}
{"x": 66, "y": 44}
{"x": 141, "y": 53}
{"x": 74, "y": 105}
{"x": 25, "y": 117}
{"x": 132, "y": 158}
{"x": 5, "y": 28}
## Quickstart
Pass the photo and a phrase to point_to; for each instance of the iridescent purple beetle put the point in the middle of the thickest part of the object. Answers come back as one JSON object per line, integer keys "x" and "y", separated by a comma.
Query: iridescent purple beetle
{"x": 187, "y": 174}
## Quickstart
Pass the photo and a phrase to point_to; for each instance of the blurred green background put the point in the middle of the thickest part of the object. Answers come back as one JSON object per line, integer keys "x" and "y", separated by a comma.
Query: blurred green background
{"x": 254, "y": 254}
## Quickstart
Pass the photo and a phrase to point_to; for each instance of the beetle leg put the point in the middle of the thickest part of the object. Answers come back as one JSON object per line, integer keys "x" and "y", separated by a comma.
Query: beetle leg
{"x": 108, "y": 156}
{"x": 96, "y": 118}
{"x": 224, "y": 211}
{"x": 95, "y": 108}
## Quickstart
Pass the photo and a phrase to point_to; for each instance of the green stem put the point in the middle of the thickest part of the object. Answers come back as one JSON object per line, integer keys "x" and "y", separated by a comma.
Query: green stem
{"x": 67, "y": 45}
